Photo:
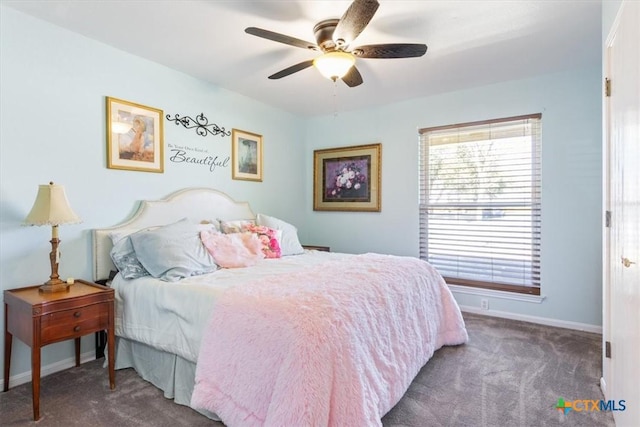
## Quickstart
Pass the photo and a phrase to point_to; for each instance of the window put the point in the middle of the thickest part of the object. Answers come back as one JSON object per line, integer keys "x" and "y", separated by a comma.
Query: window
{"x": 480, "y": 203}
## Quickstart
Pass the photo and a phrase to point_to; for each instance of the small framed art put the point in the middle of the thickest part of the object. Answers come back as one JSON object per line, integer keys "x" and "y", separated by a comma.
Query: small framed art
{"x": 246, "y": 155}
{"x": 347, "y": 178}
{"x": 135, "y": 139}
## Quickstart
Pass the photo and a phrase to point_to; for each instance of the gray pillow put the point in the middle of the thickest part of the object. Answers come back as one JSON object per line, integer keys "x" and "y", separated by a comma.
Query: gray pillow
{"x": 124, "y": 258}
{"x": 173, "y": 252}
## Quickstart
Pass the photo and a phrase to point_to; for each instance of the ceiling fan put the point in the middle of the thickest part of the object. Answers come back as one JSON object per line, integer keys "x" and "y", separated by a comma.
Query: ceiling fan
{"x": 333, "y": 38}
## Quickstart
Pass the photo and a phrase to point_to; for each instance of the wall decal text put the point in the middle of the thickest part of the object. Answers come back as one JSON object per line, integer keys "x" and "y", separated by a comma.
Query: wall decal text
{"x": 197, "y": 156}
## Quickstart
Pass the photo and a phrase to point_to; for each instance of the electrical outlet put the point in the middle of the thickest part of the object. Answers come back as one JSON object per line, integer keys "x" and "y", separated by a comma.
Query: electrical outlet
{"x": 484, "y": 304}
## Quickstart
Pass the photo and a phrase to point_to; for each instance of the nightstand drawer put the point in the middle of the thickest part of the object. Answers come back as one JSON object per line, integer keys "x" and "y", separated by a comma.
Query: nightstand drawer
{"x": 67, "y": 324}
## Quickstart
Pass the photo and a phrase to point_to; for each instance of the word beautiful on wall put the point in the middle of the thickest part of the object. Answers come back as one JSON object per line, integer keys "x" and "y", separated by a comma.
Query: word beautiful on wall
{"x": 196, "y": 156}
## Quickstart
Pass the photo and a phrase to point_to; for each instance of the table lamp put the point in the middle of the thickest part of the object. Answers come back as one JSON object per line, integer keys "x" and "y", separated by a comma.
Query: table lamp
{"x": 52, "y": 208}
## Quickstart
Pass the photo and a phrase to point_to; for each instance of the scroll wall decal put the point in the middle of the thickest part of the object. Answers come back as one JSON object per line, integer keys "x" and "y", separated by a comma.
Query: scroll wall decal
{"x": 201, "y": 125}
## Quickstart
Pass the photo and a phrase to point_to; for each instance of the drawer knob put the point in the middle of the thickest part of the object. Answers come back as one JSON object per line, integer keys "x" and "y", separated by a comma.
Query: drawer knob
{"x": 76, "y": 329}
{"x": 77, "y": 314}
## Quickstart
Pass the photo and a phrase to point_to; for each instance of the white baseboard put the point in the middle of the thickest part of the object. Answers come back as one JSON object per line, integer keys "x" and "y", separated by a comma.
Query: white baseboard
{"x": 535, "y": 319}
{"x": 25, "y": 377}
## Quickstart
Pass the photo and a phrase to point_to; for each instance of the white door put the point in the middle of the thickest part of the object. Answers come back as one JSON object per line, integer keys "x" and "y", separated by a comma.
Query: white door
{"x": 622, "y": 241}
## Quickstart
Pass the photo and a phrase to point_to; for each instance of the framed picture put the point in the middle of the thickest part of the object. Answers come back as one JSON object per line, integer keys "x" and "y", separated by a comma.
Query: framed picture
{"x": 246, "y": 155}
{"x": 135, "y": 138}
{"x": 347, "y": 178}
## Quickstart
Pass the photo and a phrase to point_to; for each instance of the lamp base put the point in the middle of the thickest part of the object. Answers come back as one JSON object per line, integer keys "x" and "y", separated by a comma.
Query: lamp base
{"x": 55, "y": 285}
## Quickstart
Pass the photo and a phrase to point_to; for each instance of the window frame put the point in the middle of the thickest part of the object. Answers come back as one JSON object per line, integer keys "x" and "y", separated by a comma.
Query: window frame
{"x": 535, "y": 206}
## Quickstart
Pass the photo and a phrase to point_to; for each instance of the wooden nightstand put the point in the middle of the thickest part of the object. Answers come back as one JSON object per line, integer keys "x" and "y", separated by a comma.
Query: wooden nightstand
{"x": 38, "y": 318}
{"x": 317, "y": 248}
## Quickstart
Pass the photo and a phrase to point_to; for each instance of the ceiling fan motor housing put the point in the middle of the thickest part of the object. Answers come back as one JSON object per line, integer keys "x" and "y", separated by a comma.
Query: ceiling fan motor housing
{"x": 333, "y": 38}
{"x": 323, "y": 32}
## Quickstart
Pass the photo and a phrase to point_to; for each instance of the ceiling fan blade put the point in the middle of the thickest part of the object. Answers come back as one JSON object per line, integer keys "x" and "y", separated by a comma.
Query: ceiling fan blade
{"x": 292, "y": 69}
{"x": 354, "y": 20}
{"x": 281, "y": 38}
{"x": 353, "y": 77}
{"x": 391, "y": 50}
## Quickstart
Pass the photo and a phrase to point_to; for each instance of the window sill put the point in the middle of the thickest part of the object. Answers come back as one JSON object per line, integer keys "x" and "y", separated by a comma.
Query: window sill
{"x": 536, "y": 299}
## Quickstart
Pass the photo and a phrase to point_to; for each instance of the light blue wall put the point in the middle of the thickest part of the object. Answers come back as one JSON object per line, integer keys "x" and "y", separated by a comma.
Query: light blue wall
{"x": 53, "y": 85}
{"x": 570, "y": 104}
{"x": 52, "y": 111}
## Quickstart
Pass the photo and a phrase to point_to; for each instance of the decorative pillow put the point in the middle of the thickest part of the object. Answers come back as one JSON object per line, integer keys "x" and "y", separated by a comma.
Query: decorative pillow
{"x": 125, "y": 259}
{"x": 173, "y": 252}
{"x": 233, "y": 250}
{"x": 289, "y": 243}
{"x": 269, "y": 238}
{"x": 235, "y": 226}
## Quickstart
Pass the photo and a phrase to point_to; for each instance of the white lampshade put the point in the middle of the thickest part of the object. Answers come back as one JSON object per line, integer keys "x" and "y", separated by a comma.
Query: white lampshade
{"x": 51, "y": 207}
{"x": 334, "y": 65}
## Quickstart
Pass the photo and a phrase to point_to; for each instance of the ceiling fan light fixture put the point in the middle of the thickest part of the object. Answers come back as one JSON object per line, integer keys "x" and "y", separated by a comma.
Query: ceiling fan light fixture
{"x": 334, "y": 65}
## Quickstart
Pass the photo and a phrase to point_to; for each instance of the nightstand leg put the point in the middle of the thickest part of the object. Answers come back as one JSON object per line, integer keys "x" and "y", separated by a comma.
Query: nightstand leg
{"x": 35, "y": 379}
{"x": 8, "y": 339}
{"x": 77, "y": 344}
{"x": 111, "y": 348}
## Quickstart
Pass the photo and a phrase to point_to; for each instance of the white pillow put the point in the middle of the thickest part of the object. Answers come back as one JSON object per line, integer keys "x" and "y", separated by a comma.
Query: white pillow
{"x": 289, "y": 244}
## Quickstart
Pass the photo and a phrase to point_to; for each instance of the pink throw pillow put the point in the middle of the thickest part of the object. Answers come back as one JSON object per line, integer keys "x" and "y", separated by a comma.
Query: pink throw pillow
{"x": 233, "y": 250}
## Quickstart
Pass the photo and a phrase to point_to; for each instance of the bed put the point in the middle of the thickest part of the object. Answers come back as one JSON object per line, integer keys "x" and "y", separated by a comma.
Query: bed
{"x": 307, "y": 338}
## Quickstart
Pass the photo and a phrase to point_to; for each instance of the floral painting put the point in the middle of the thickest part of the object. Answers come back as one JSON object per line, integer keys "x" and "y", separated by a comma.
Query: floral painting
{"x": 348, "y": 178}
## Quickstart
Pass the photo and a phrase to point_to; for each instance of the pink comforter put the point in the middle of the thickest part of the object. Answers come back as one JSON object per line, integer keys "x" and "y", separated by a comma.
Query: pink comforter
{"x": 337, "y": 346}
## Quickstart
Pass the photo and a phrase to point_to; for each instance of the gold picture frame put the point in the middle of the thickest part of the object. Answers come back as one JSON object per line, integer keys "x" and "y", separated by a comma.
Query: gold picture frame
{"x": 135, "y": 136}
{"x": 347, "y": 178}
{"x": 246, "y": 155}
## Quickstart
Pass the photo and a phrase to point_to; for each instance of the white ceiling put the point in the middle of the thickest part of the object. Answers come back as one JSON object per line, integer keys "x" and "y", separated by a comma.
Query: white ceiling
{"x": 470, "y": 43}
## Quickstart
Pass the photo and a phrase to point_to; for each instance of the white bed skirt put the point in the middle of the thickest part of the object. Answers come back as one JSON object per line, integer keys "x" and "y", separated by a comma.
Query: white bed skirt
{"x": 170, "y": 373}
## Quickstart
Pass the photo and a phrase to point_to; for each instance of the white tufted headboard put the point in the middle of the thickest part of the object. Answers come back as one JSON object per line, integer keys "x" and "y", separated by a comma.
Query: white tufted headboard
{"x": 198, "y": 204}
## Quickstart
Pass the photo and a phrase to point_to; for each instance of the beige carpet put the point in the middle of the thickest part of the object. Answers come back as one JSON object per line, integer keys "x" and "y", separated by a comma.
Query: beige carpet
{"x": 509, "y": 374}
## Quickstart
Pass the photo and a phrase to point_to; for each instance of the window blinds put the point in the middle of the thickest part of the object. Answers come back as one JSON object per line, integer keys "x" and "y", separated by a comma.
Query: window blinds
{"x": 480, "y": 202}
